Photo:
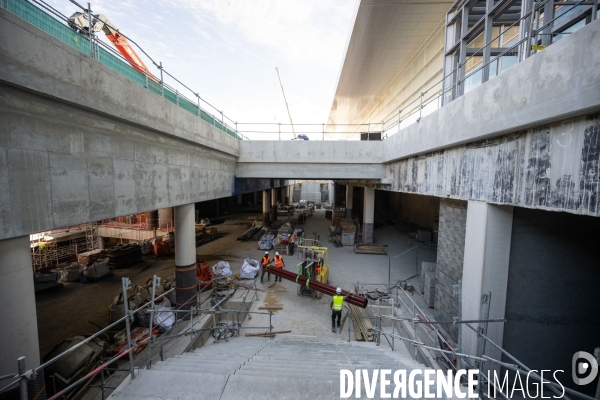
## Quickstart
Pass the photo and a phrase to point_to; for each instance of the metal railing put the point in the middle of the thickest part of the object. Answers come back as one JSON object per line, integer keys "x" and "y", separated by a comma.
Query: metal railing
{"x": 47, "y": 18}
{"x": 447, "y": 350}
{"x": 24, "y": 375}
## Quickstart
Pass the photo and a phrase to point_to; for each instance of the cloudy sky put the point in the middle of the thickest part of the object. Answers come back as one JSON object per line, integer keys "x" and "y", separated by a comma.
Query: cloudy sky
{"x": 227, "y": 50}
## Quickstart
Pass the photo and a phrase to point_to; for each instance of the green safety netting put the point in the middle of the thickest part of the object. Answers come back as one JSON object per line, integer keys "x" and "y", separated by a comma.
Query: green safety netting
{"x": 47, "y": 23}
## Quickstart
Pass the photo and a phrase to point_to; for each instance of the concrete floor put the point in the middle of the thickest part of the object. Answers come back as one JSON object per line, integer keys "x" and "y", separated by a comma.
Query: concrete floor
{"x": 65, "y": 312}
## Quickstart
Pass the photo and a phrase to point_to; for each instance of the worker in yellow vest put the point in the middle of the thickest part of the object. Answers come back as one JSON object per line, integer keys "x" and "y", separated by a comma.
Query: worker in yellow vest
{"x": 278, "y": 260}
{"x": 263, "y": 263}
{"x": 336, "y": 306}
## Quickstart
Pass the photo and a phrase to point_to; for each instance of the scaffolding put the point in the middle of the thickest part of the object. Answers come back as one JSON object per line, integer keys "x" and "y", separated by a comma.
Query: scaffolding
{"x": 53, "y": 247}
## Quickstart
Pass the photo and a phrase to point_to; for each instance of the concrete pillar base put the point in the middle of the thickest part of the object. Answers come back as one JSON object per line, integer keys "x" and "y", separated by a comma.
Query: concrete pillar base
{"x": 367, "y": 232}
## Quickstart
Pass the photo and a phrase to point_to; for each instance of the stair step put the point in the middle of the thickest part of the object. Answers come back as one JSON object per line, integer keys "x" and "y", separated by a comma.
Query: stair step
{"x": 194, "y": 370}
{"x": 267, "y": 387}
{"x": 161, "y": 384}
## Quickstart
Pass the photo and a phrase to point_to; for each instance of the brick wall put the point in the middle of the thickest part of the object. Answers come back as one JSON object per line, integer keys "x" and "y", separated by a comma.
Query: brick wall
{"x": 451, "y": 248}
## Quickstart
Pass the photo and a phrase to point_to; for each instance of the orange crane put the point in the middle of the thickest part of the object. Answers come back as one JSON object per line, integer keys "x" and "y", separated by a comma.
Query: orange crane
{"x": 81, "y": 23}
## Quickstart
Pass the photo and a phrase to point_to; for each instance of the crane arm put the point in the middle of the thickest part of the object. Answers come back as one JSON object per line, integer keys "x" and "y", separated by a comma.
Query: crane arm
{"x": 286, "y": 103}
{"x": 80, "y": 22}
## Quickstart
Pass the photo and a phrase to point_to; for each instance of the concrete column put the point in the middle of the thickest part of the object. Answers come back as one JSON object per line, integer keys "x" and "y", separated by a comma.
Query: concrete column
{"x": 485, "y": 269}
{"x": 331, "y": 194}
{"x": 273, "y": 205}
{"x": 368, "y": 215}
{"x": 266, "y": 206}
{"x": 185, "y": 256}
{"x": 349, "y": 192}
{"x": 18, "y": 330}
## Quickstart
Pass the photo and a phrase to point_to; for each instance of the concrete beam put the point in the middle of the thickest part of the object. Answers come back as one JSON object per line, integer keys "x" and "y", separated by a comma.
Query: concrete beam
{"x": 312, "y": 171}
{"x": 32, "y": 59}
{"x": 310, "y": 151}
{"x": 561, "y": 82}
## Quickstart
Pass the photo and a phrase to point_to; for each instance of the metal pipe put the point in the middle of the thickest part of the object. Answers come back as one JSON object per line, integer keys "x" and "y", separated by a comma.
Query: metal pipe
{"x": 126, "y": 284}
{"x": 23, "y": 381}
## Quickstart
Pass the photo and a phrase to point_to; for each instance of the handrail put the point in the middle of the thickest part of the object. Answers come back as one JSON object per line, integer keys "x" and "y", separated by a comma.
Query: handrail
{"x": 132, "y": 346}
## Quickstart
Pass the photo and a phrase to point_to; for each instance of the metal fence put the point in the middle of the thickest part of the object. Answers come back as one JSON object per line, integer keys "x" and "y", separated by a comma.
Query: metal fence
{"x": 48, "y": 19}
{"x": 220, "y": 332}
{"x": 437, "y": 343}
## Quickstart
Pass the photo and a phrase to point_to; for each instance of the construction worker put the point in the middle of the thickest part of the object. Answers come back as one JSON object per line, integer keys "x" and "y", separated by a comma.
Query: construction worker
{"x": 292, "y": 240}
{"x": 278, "y": 260}
{"x": 266, "y": 260}
{"x": 336, "y": 306}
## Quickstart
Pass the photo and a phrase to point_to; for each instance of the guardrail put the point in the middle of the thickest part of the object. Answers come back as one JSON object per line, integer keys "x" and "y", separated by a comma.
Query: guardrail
{"x": 450, "y": 351}
{"x": 434, "y": 97}
{"x": 47, "y": 18}
{"x": 224, "y": 332}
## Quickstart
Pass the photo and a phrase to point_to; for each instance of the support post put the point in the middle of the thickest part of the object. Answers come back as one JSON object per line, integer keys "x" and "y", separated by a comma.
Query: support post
{"x": 23, "y": 382}
{"x": 185, "y": 256}
{"x": 368, "y": 215}
{"x": 90, "y": 34}
{"x": 126, "y": 284}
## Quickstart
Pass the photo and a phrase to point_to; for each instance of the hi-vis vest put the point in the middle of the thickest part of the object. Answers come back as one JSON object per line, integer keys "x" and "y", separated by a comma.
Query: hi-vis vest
{"x": 278, "y": 261}
{"x": 265, "y": 260}
{"x": 337, "y": 302}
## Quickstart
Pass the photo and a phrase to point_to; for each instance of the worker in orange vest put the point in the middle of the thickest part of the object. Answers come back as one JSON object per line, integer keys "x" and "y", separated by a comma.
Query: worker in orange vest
{"x": 278, "y": 260}
{"x": 266, "y": 260}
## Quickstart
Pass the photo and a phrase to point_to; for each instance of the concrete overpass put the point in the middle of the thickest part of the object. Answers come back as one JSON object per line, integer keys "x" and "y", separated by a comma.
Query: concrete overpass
{"x": 82, "y": 143}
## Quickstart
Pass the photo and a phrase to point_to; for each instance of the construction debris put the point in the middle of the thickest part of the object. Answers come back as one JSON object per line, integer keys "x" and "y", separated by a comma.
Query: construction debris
{"x": 369, "y": 249}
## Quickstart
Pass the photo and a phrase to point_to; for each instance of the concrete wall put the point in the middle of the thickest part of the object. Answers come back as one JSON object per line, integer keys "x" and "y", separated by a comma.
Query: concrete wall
{"x": 552, "y": 302}
{"x": 62, "y": 172}
{"x": 553, "y": 167}
{"x": 79, "y": 142}
{"x": 450, "y": 257}
{"x": 558, "y": 83}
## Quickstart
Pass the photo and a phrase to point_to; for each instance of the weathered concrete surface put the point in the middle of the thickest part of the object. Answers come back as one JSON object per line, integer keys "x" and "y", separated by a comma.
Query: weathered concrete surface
{"x": 553, "y": 167}
{"x": 558, "y": 83}
{"x": 310, "y": 151}
{"x": 32, "y": 59}
{"x": 310, "y": 159}
{"x": 62, "y": 171}
{"x": 313, "y": 170}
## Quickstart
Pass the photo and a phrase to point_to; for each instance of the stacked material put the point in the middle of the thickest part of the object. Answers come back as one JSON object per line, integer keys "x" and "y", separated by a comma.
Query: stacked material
{"x": 347, "y": 239}
{"x": 363, "y": 329}
{"x": 347, "y": 226}
{"x": 266, "y": 242}
{"x": 120, "y": 256}
{"x": 367, "y": 248}
{"x": 337, "y": 216}
{"x": 88, "y": 257}
{"x": 70, "y": 272}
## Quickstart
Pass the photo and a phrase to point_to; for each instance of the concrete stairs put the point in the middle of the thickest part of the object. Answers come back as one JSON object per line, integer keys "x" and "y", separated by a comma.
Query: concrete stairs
{"x": 257, "y": 368}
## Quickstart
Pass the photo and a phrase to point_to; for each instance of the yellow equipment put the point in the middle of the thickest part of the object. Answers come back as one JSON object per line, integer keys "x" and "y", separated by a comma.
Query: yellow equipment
{"x": 314, "y": 266}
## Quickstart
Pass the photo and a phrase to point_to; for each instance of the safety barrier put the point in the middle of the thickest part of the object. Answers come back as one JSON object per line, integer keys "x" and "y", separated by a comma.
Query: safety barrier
{"x": 221, "y": 331}
{"x": 48, "y": 19}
